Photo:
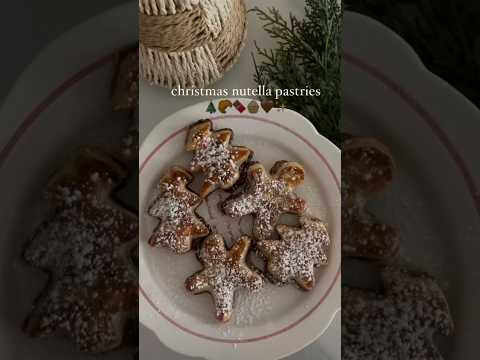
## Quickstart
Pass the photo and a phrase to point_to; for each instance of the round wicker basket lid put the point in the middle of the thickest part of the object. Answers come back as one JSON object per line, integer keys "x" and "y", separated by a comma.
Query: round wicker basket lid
{"x": 189, "y": 43}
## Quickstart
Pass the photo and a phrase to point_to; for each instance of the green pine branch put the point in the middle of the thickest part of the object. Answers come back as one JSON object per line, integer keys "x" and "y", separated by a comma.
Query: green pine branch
{"x": 307, "y": 54}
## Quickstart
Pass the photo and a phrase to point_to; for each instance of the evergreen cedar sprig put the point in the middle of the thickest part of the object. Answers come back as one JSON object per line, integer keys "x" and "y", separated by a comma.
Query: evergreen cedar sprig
{"x": 307, "y": 54}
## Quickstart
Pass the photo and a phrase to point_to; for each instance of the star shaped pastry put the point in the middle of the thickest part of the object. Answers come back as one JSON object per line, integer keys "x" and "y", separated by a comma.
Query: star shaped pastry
{"x": 175, "y": 207}
{"x": 298, "y": 252}
{"x": 92, "y": 291}
{"x": 399, "y": 322}
{"x": 224, "y": 272}
{"x": 215, "y": 157}
{"x": 268, "y": 196}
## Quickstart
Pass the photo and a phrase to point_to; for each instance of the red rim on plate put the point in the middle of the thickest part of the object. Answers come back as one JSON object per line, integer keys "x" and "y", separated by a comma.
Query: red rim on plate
{"x": 156, "y": 150}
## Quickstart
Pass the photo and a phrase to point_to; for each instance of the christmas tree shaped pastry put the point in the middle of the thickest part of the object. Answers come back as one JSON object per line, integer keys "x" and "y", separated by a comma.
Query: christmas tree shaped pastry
{"x": 85, "y": 247}
{"x": 268, "y": 196}
{"x": 175, "y": 207}
{"x": 213, "y": 155}
{"x": 224, "y": 272}
{"x": 367, "y": 169}
{"x": 398, "y": 322}
{"x": 298, "y": 252}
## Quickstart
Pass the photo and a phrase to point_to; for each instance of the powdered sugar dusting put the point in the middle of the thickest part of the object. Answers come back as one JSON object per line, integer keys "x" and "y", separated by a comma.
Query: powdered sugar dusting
{"x": 397, "y": 324}
{"x": 225, "y": 272}
{"x": 267, "y": 198}
{"x": 86, "y": 249}
{"x": 170, "y": 206}
{"x": 299, "y": 251}
{"x": 175, "y": 206}
{"x": 253, "y": 306}
{"x": 215, "y": 157}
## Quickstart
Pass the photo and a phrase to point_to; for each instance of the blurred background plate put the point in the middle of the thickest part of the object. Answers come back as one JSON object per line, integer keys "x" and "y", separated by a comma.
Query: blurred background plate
{"x": 432, "y": 131}
{"x": 60, "y": 102}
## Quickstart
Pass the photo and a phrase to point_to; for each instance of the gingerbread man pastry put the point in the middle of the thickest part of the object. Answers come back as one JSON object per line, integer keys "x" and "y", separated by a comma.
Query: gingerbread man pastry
{"x": 175, "y": 208}
{"x": 85, "y": 247}
{"x": 396, "y": 323}
{"x": 298, "y": 252}
{"x": 367, "y": 169}
{"x": 224, "y": 272}
{"x": 268, "y": 196}
{"x": 213, "y": 155}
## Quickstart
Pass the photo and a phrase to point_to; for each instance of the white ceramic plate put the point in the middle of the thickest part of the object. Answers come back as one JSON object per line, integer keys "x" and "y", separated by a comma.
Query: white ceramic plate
{"x": 60, "y": 102}
{"x": 277, "y": 321}
{"x": 432, "y": 131}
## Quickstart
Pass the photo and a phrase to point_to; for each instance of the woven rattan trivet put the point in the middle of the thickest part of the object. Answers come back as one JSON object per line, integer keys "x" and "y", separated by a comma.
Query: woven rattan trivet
{"x": 189, "y": 43}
